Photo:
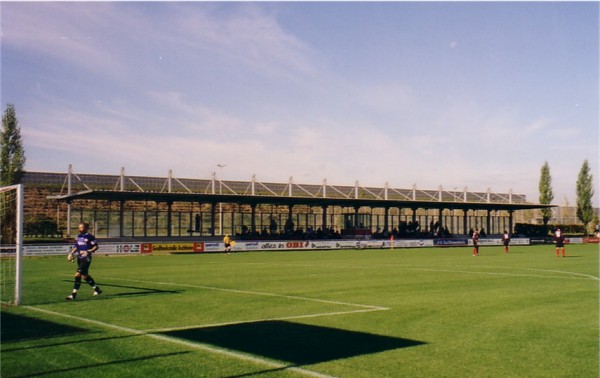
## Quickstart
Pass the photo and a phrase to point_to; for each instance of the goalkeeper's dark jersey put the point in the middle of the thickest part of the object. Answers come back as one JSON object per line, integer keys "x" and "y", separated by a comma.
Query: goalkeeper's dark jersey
{"x": 84, "y": 242}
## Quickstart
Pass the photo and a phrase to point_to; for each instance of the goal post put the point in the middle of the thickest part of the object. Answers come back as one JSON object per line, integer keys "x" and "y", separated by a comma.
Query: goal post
{"x": 11, "y": 243}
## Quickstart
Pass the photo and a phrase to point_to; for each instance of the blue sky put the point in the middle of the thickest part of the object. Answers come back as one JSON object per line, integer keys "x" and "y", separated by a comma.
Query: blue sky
{"x": 465, "y": 94}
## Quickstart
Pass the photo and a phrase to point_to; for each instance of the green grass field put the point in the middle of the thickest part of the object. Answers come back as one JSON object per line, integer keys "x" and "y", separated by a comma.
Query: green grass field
{"x": 370, "y": 313}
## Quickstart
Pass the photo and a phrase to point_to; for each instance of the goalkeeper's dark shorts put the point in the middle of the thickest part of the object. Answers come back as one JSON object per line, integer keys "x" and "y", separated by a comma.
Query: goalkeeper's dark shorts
{"x": 83, "y": 265}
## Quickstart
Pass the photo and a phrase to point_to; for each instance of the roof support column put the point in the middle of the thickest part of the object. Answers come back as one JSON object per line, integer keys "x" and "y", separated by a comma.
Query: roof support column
{"x": 169, "y": 218}
{"x": 324, "y": 218}
{"x": 465, "y": 219}
{"x": 385, "y": 219}
{"x": 122, "y": 218}
{"x": 69, "y": 192}
{"x": 108, "y": 218}
{"x": 488, "y": 222}
{"x": 253, "y": 217}
{"x": 145, "y": 219}
{"x": 213, "y": 213}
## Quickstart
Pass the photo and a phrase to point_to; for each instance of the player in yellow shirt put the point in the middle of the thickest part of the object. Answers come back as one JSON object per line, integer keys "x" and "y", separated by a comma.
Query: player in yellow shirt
{"x": 227, "y": 241}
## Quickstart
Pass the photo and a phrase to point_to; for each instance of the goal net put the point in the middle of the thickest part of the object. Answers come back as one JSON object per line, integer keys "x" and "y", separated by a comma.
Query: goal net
{"x": 11, "y": 243}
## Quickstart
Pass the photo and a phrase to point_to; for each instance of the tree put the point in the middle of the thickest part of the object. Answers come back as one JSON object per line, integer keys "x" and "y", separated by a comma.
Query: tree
{"x": 546, "y": 195}
{"x": 12, "y": 162}
{"x": 12, "y": 156}
{"x": 585, "y": 192}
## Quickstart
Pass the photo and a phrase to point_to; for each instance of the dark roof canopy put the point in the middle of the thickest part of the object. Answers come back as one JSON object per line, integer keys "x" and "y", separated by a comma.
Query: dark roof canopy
{"x": 114, "y": 195}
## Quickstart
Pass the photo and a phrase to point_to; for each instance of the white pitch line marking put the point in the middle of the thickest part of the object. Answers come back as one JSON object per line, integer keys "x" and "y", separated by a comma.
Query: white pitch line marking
{"x": 561, "y": 272}
{"x": 510, "y": 274}
{"x": 199, "y": 346}
{"x": 407, "y": 267}
{"x": 261, "y": 320}
{"x": 370, "y": 307}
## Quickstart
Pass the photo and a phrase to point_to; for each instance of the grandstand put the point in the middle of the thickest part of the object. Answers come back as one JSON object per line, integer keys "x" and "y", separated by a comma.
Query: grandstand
{"x": 121, "y": 206}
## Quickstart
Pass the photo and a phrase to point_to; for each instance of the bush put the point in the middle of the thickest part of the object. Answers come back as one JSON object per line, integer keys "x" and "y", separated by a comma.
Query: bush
{"x": 43, "y": 227}
{"x": 532, "y": 229}
{"x": 541, "y": 230}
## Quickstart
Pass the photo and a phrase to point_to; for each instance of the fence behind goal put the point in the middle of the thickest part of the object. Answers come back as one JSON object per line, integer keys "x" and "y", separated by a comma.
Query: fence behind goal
{"x": 11, "y": 243}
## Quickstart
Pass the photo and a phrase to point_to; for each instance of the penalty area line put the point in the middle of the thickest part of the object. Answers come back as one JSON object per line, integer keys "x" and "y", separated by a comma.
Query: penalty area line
{"x": 579, "y": 276}
{"x": 198, "y": 346}
{"x": 249, "y": 292}
{"x": 293, "y": 317}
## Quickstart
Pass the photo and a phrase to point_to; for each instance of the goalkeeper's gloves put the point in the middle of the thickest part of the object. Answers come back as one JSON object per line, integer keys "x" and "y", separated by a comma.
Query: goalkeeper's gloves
{"x": 70, "y": 257}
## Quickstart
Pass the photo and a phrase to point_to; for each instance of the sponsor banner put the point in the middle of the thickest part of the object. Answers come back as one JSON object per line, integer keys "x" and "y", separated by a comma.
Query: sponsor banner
{"x": 120, "y": 248}
{"x": 46, "y": 250}
{"x": 550, "y": 240}
{"x": 8, "y": 250}
{"x": 284, "y": 245}
{"x": 247, "y": 246}
{"x": 214, "y": 247}
{"x": 363, "y": 244}
{"x": 487, "y": 242}
{"x": 324, "y": 244}
{"x": 592, "y": 239}
{"x": 346, "y": 244}
{"x": 297, "y": 245}
{"x": 520, "y": 241}
{"x": 401, "y": 243}
{"x": 273, "y": 246}
{"x": 172, "y": 247}
{"x": 63, "y": 249}
{"x": 539, "y": 240}
{"x": 451, "y": 242}
{"x": 492, "y": 242}
{"x": 146, "y": 247}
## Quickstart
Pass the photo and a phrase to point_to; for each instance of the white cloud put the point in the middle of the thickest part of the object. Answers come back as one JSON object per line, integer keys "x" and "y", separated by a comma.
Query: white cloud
{"x": 235, "y": 86}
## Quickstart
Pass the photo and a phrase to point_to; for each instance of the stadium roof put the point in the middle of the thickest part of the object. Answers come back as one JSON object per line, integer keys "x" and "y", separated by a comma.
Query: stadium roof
{"x": 114, "y": 195}
{"x": 171, "y": 189}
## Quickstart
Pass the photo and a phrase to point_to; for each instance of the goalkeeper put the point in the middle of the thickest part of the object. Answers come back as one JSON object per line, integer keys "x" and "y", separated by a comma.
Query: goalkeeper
{"x": 85, "y": 246}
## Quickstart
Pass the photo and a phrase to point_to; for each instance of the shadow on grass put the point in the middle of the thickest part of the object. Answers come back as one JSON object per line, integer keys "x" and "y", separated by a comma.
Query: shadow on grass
{"x": 21, "y": 328}
{"x": 258, "y": 373}
{"x": 100, "y": 364}
{"x": 82, "y": 341}
{"x": 298, "y": 344}
{"x": 132, "y": 291}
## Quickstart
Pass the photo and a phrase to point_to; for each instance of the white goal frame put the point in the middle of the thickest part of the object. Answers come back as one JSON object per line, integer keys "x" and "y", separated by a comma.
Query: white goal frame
{"x": 18, "y": 237}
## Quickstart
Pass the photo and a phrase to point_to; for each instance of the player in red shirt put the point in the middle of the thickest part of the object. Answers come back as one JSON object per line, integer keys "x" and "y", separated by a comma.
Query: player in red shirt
{"x": 506, "y": 241}
{"x": 559, "y": 241}
{"x": 475, "y": 243}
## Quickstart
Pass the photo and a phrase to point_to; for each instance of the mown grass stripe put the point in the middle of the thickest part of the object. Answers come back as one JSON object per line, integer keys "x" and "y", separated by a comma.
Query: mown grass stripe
{"x": 199, "y": 346}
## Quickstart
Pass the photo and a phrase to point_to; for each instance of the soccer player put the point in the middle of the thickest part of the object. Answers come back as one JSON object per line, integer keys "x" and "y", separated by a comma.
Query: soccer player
{"x": 506, "y": 241}
{"x": 475, "y": 238}
{"x": 559, "y": 241}
{"x": 85, "y": 246}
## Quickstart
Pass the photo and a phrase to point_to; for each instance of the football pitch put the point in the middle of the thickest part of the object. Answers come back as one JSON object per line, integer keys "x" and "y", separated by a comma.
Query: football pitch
{"x": 435, "y": 312}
